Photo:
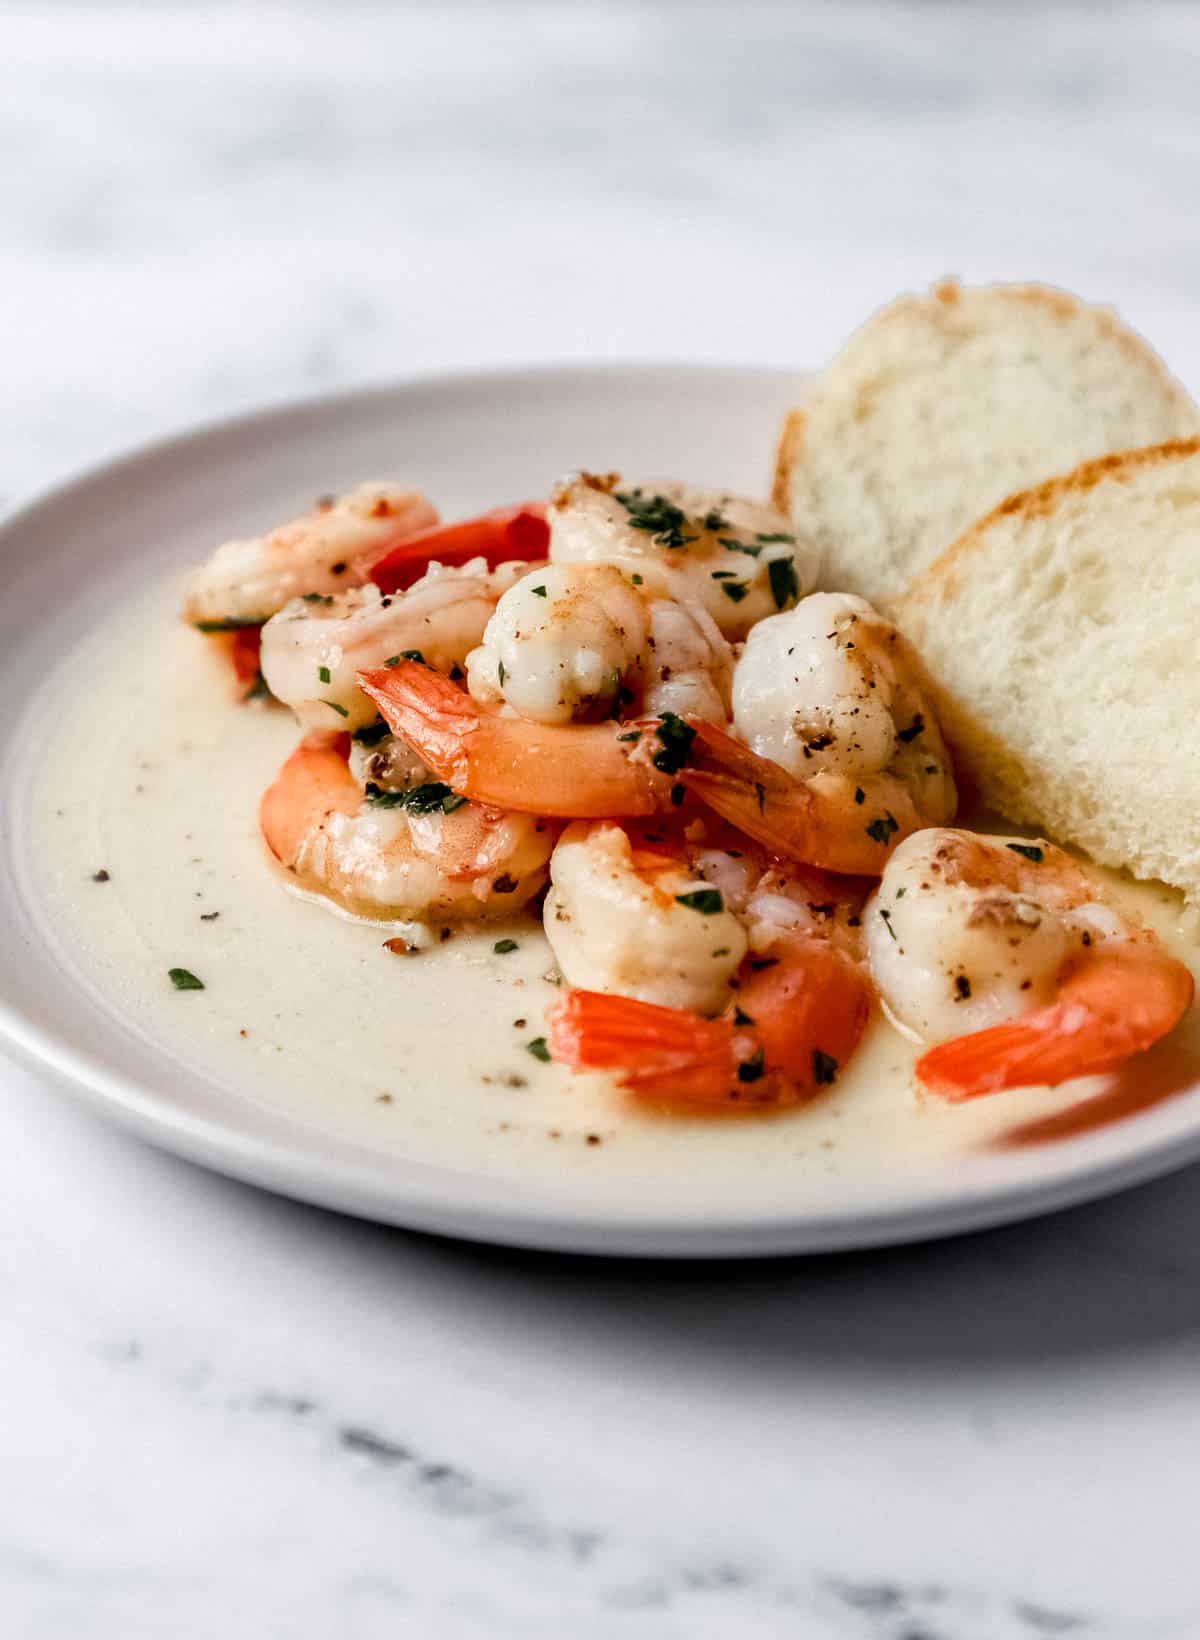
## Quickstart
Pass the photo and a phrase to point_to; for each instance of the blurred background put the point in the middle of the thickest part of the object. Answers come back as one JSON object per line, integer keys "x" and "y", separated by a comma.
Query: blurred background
{"x": 208, "y": 205}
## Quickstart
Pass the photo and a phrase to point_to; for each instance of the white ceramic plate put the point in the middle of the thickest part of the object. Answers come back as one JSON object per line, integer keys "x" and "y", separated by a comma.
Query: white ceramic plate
{"x": 471, "y": 441}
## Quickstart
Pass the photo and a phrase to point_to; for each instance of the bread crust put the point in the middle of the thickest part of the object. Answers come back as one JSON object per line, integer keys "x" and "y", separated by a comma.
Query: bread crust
{"x": 1039, "y": 501}
{"x": 787, "y": 458}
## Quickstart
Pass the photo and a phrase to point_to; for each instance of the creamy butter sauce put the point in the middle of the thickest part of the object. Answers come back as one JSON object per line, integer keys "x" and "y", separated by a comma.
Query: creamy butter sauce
{"x": 149, "y": 774}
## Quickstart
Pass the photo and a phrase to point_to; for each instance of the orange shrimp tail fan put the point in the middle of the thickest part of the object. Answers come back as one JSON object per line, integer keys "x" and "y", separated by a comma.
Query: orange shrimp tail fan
{"x": 427, "y": 711}
{"x": 654, "y": 1050}
{"x": 1122, "y": 1001}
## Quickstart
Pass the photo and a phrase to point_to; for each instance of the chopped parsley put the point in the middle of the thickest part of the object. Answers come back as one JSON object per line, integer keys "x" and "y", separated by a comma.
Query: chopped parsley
{"x": 735, "y": 591}
{"x": 715, "y": 519}
{"x": 184, "y": 980}
{"x": 781, "y": 572}
{"x": 774, "y": 536}
{"x": 503, "y": 947}
{"x": 660, "y": 518}
{"x": 371, "y": 733}
{"x": 325, "y": 675}
{"x": 707, "y": 901}
{"x": 317, "y": 597}
{"x": 751, "y": 1070}
{"x": 732, "y": 544}
{"x": 1029, "y": 850}
{"x": 916, "y": 727}
{"x": 412, "y": 655}
{"x": 634, "y": 735}
{"x": 335, "y": 707}
{"x": 887, "y": 921}
{"x": 880, "y": 830}
{"x": 393, "y": 660}
{"x": 825, "y": 1068}
{"x": 501, "y": 674}
{"x": 636, "y": 579}
{"x": 675, "y": 739}
{"x": 538, "y": 592}
{"x": 232, "y": 623}
{"x": 538, "y": 1049}
{"x": 431, "y": 798}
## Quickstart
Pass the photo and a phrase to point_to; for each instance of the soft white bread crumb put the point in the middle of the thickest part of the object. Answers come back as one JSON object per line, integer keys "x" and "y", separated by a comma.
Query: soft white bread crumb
{"x": 1061, "y": 637}
{"x": 945, "y": 403}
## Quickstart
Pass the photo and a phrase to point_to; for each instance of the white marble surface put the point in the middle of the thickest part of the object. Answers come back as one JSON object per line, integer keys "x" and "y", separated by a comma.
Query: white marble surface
{"x": 226, "y": 1415}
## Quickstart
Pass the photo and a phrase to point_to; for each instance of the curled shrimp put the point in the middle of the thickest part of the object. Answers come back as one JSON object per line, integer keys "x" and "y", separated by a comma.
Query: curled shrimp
{"x": 737, "y": 559}
{"x": 654, "y": 930}
{"x": 418, "y": 854}
{"x": 1002, "y": 946}
{"x": 313, "y": 649}
{"x": 580, "y": 640}
{"x": 245, "y": 582}
{"x": 838, "y": 755}
{"x": 573, "y": 772}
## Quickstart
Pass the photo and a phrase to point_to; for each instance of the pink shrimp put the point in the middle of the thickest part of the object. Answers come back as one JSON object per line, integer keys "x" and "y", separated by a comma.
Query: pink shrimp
{"x": 422, "y": 855}
{"x": 1116, "y": 1000}
{"x": 1002, "y": 948}
{"x": 800, "y": 1013}
{"x": 578, "y": 771}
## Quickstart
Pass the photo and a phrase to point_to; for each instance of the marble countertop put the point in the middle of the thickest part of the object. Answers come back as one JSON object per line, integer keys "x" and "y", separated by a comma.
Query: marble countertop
{"x": 225, "y": 1414}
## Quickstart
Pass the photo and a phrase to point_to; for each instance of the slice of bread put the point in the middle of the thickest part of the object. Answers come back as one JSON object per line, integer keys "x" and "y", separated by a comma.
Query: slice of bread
{"x": 1061, "y": 635}
{"x": 945, "y": 403}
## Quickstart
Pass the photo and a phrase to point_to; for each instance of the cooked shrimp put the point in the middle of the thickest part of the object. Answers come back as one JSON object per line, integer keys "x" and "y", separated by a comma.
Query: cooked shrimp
{"x": 421, "y": 855}
{"x": 639, "y": 921}
{"x": 573, "y": 641}
{"x": 314, "y": 648}
{"x": 1006, "y": 940}
{"x": 642, "y": 916}
{"x": 843, "y": 756}
{"x": 738, "y": 559}
{"x": 574, "y": 772}
{"x": 245, "y": 582}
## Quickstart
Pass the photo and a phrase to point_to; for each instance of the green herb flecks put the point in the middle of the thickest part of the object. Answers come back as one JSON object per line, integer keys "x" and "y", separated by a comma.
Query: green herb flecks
{"x": 634, "y": 735}
{"x": 707, "y": 901}
{"x": 825, "y": 1068}
{"x": 538, "y": 1049}
{"x": 334, "y": 706}
{"x": 432, "y": 798}
{"x": 675, "y": 740}
{"x": 735, "y": 591}
{"x": 503, "y": 947}
{"x": 538, "y": 592}
{"x": 324, "y": 674}
{"x": 184, "y": 980}
{"x": 1029, "y": 850}
{"x": 785, "y": 589}
{"x": 232, "y": 623}
{"x": 879, "y": 831}
{"x": 773, "y": 537}
{"x": 660, "y": 518}
{"x": 732, "y": 544}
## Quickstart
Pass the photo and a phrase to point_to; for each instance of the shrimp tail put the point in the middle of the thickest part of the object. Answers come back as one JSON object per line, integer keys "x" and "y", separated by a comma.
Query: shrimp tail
{"x": 428, "y": 712}
{"x": 657, "y": 1052}
{"x": 1121, "y": 1001}
{"x": 826, "y": 821}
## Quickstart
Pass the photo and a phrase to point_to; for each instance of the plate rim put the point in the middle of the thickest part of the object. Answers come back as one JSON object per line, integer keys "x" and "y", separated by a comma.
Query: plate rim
{"x": 375, "y": 1187}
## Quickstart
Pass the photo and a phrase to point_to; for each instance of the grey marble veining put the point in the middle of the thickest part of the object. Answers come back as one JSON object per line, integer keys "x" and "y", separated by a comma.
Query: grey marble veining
{"x": 227, "y": 1414}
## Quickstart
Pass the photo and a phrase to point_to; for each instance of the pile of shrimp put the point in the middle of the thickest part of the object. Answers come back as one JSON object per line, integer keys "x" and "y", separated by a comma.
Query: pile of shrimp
{"x": 727, "y": 789}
